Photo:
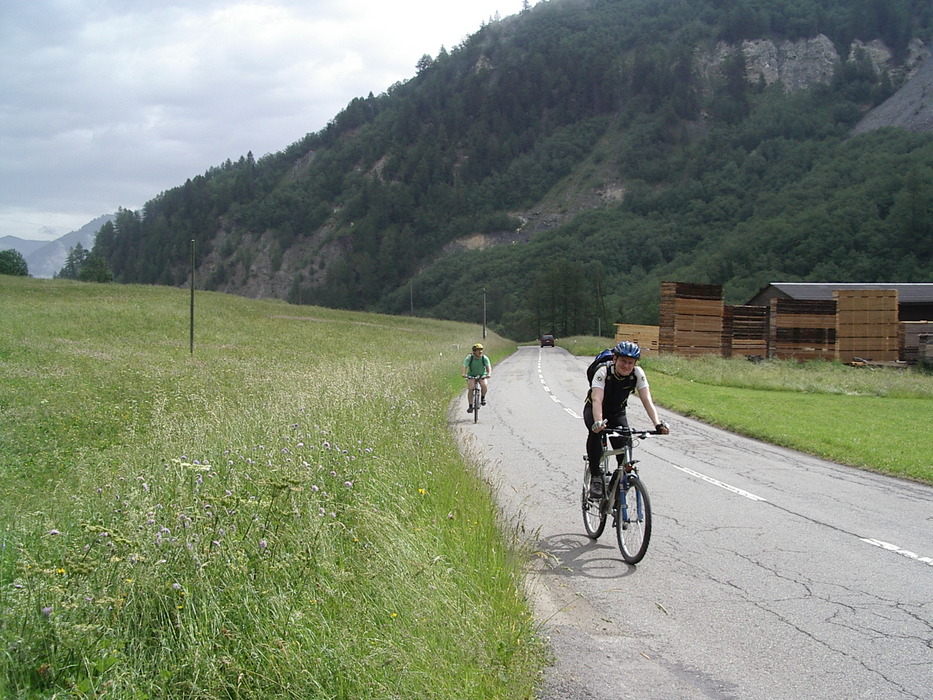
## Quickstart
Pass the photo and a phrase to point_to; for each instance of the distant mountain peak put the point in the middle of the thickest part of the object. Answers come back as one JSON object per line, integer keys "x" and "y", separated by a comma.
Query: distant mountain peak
{"x": 47, "y": 258}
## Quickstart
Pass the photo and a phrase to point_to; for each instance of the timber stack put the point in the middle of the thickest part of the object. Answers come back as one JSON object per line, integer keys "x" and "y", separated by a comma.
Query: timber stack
{"x": 691, "y": 318}
{"x": 867, "y": 326}
{"x": 803, "y": 329}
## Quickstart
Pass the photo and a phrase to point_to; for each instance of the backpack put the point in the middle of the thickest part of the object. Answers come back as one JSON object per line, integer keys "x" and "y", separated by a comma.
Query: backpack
{"x": 601, "y": 359}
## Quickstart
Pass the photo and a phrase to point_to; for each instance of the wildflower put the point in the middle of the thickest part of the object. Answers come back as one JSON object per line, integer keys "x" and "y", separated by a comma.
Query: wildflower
{"x": 54, "y": 532}
{"x": 348, "y": 484}
{"x": 314, "y": 488}
{"x": 263, "y": 544}
{"x": 47, "y": 611}
{"x": 422, "y": 491}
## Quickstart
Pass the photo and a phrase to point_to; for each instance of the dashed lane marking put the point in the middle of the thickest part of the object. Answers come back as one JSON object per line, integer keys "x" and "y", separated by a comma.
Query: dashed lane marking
{"x": 897, "y": 550}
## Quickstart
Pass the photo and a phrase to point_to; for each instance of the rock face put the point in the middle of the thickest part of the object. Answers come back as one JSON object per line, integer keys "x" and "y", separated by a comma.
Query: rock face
{"x": 806, "y": 62}
{"x": 910, "y": 108}
{"x": 797, "y": 64}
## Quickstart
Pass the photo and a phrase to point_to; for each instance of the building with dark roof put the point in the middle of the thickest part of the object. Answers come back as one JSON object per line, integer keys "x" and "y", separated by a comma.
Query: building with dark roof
{"x": 914, "y": 300}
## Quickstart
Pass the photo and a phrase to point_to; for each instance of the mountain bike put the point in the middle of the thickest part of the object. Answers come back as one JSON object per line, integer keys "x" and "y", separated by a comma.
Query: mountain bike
{"x": 624, "y": 496}
{"x": 477, "y": 399}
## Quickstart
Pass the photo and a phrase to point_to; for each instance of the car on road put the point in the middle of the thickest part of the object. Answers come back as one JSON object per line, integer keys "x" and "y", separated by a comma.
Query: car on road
{"x": 547, "y": 341}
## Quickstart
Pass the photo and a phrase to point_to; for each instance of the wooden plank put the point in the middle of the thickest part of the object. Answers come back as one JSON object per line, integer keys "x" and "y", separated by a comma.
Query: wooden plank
{"x": 645, "y": 336}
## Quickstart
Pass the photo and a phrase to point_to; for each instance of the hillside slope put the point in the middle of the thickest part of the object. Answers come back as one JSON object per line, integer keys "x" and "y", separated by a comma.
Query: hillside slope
{"x": 910, "y": 108}
{"x": 568, "y": 158}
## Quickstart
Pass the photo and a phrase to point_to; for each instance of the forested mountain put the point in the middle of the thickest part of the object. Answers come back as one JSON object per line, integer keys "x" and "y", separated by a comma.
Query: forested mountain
{"x": 569, "y": 158}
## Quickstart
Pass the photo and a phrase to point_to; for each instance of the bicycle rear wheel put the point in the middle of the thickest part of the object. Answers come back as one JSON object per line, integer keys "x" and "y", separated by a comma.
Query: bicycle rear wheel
{"x": 633, "y": 522}
{"x": 594, "y": 517}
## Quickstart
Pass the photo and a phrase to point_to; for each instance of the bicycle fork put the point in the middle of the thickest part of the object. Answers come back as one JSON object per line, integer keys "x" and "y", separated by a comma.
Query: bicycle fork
{"x": 618, "y": 487}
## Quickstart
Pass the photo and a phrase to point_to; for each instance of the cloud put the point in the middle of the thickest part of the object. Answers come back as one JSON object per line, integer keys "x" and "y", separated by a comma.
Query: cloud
{"x": 107, "y": 103}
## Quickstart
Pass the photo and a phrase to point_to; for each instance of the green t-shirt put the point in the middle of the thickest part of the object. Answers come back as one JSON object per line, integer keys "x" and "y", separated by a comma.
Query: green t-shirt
{"x": 477, "y": 366}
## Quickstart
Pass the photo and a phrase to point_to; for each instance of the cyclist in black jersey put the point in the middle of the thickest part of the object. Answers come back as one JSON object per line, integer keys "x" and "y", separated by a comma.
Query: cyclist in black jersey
{"x": 606, "y": 401}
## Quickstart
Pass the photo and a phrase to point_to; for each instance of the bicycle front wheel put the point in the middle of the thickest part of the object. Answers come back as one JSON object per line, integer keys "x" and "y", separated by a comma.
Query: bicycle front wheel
{"x": 633, "y": 520}
{"x": 594, "y": 517}
{"x": 476, "y": 404}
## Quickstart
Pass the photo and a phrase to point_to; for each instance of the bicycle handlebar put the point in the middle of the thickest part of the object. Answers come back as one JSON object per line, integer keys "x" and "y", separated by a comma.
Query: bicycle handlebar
{"x": 630, "y": 432}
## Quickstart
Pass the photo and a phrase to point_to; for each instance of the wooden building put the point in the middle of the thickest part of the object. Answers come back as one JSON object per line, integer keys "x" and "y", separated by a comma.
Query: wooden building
{"x": 914, "y": 301}
{"x": 880, "y": 322}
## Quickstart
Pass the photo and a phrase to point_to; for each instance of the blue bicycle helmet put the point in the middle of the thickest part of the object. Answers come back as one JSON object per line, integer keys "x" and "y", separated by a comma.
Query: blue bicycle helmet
{"x": 627, "y": 349}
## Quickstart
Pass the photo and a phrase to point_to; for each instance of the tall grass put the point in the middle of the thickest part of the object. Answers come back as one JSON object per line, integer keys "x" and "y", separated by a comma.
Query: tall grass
{"x": 874, "y": 418}
{"x": 280, "y": 514}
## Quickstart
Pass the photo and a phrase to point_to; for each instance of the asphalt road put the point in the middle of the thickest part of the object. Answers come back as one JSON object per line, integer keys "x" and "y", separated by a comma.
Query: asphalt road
{"x": 770, "y": 574}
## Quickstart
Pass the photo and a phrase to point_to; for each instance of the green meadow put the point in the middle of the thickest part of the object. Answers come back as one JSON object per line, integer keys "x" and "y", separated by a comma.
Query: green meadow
{"x": 280, "y": 514}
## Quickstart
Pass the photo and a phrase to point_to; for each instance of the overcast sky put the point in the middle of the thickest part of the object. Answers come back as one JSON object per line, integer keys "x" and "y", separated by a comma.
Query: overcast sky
{"x": 107, "y": 103}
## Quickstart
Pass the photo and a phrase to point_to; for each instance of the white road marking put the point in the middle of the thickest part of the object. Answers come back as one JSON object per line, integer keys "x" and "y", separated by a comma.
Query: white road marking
{"x": 720, "y": 484}
{"x": 897, "y": 550}
{"x": 550, "y": 393}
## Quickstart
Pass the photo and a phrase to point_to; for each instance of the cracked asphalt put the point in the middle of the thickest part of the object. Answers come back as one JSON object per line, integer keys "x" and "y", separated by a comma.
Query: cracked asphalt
{"x": 770, "y": 574}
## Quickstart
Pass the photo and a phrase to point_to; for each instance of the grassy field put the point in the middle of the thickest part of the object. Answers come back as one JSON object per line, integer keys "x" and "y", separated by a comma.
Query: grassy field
{"x": 281, "y": 514}
{"x": 874, "y": 418}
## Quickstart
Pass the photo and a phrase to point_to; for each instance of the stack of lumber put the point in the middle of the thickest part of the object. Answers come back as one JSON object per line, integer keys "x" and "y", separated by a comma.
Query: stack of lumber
{"x": 909, "y": 339}
{"x": 925, "y": 349}
{"x": 802, "y": 329}
{"x": 866, "y": 325}
{"x": 690, "y": 319}
{"x": 745, "y": 331}
{"x": 645, "y": 336}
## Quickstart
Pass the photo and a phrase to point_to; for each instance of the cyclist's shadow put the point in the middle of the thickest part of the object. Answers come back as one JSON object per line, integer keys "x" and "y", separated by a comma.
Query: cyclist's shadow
{"x": 574, "y": 554}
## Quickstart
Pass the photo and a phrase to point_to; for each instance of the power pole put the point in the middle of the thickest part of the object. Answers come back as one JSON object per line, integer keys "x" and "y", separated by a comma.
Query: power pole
{"x": 484, "y": 313}
{"x": 192, "y": 296}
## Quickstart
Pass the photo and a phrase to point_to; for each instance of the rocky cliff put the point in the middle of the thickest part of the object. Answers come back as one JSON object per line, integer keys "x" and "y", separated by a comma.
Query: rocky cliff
{"x": 806, "y": 62}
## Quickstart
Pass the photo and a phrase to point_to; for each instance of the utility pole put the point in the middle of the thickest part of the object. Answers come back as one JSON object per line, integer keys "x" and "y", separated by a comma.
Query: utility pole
{"x": 192, "y": 296}
{"x": 484, "y": 313}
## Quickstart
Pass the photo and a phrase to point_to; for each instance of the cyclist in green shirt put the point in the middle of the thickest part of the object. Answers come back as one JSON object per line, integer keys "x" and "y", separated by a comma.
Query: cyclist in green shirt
{"x": 477, "y": 367}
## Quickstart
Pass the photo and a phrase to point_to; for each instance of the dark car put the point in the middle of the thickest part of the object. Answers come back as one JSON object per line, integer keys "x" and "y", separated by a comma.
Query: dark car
{"x": 547, "y": 341}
